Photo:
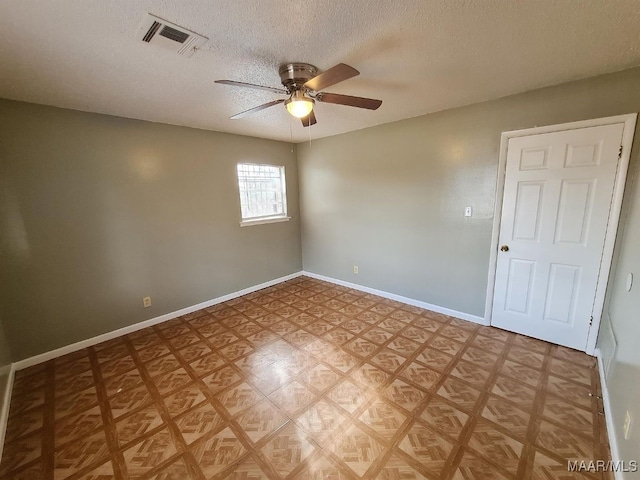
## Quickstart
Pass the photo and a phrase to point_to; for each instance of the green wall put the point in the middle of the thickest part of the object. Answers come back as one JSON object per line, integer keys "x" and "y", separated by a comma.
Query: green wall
{"x": 5, "y": 366}
{"x": 100, "y": 211}
{"x": 623, "y": 315}
{"x": 391, "y": 198}
{"x": 97, "y": 212}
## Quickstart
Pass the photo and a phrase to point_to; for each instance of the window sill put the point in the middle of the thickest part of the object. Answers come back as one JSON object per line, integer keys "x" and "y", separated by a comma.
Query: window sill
{"x": 261, "y": 221}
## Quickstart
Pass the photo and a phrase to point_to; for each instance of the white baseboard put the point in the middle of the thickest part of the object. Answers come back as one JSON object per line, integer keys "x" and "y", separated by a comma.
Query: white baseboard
{"x": 58, "y": 352}
{"x": 43, "y": 357}
{"x": 608, "y": 416}
{"x": 6, "y": 401}
{"x": 400, "y": 298}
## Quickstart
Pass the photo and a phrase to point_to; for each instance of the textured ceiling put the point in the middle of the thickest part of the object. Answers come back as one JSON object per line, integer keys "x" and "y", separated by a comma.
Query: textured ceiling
{"x": 416, "y": 56}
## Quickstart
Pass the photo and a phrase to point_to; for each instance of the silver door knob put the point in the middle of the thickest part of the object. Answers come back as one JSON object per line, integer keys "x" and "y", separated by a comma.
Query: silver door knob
{"x": 504, "y": 248}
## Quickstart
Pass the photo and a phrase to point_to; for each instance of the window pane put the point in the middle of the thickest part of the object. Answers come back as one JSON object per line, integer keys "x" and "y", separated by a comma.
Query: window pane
{"x": 262, "y": 191}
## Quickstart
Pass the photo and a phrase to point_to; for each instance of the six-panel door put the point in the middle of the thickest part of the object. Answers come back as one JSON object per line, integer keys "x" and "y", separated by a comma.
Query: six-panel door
{"x": 557, "y": 196}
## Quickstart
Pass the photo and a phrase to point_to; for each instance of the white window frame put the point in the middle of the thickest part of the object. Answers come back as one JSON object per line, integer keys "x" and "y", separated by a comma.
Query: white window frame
{"x": 262, "y": 219}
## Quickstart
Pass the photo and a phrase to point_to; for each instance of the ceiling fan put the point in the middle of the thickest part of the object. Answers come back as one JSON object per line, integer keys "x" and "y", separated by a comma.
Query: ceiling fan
{"x": 303, "y": 85}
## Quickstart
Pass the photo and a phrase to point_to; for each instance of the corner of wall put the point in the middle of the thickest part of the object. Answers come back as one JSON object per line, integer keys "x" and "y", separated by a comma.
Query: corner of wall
{"x": 7, "y": 370}
{"x": 6, "y": 387}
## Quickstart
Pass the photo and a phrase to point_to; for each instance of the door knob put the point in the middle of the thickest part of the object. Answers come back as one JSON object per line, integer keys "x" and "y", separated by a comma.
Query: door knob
{"x": 504, "y": 248}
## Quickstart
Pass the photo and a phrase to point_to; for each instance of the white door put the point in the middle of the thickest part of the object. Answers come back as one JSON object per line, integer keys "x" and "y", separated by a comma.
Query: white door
{"x": 557, "y": 197}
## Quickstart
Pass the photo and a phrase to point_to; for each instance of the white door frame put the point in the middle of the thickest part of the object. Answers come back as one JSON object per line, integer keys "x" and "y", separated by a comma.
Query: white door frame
{"x": 629, "y": 121}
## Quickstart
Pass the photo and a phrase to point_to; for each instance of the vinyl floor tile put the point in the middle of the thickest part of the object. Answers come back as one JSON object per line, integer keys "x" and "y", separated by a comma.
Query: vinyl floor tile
{"x": 307, "y": 380}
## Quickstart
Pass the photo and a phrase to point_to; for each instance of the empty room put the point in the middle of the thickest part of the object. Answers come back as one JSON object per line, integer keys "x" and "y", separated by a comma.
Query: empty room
{"x": 319, "y": 240}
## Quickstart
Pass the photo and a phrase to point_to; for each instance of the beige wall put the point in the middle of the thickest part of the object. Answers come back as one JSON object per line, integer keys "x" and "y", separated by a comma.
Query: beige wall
{"x": 390, "y": 199}
{"x": 99, "y": 211}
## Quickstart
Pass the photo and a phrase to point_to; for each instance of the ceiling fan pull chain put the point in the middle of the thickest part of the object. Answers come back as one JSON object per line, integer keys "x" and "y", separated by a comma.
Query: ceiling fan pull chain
{"x": 291, "y": 133}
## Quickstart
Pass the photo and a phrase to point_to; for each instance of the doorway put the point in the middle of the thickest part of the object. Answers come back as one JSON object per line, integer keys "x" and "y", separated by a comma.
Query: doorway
{"x": 557, "y": 210}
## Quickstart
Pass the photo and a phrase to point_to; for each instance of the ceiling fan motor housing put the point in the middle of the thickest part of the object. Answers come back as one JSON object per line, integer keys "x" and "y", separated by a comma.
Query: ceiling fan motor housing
{"x": 295, "y": 75}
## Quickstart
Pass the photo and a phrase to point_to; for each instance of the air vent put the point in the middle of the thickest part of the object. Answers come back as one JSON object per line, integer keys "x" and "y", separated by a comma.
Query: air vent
{"x": 167, "y": 35}
{"x": 173, "y": 34}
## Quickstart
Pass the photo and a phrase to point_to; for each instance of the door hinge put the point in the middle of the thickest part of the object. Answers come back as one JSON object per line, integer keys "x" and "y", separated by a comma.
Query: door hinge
{"x": 620, "y": 152}
{"x": 591, "y": 321}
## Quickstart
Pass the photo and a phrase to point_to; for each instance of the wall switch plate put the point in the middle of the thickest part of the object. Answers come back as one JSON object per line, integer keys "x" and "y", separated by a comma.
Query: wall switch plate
{"x": 468, "y": 211}
{"x": 146, "y": 302}
{"x": 355, "y": 269}
{"x": 627, "y": 425}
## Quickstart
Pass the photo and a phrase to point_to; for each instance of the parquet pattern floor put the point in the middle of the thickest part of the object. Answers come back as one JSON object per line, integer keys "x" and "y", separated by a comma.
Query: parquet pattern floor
{"x": 308, "y": 380}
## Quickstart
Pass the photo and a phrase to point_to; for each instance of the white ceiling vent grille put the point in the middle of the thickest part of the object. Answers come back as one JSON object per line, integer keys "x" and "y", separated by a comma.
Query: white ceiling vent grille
{"x": 157, "y": 31}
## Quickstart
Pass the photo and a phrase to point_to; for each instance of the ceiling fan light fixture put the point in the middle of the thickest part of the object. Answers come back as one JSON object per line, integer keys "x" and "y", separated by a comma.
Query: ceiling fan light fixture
{"x": 299, "y": 105}
{"x": 303, "y": 86}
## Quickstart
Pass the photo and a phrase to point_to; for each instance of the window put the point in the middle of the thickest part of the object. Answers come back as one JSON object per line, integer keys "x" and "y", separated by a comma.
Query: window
{"x": 263, "y": 193}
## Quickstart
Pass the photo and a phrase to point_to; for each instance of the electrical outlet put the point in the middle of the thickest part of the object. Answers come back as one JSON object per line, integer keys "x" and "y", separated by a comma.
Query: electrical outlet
{"x": 355, "y": 269}
{"x": 468, "y": 211}
{"x": 627, "y": 425}
{"x": 146, "y": 302}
